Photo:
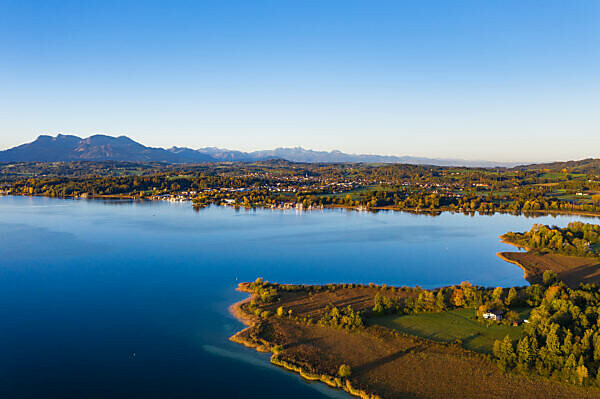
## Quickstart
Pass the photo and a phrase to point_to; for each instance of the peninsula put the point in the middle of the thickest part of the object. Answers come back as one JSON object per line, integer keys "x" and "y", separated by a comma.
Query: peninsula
{"x": 455, "y": 342}
{"x": 572, "y": 253}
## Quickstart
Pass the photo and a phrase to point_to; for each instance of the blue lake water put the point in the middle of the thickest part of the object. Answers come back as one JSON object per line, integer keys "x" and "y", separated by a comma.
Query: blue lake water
{"x": 84, "y": 284}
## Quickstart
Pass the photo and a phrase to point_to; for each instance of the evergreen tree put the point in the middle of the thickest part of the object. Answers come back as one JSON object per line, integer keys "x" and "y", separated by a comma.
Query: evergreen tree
{"x": 506, "y": 353}
{"x": 596, "y": 341}
{"x": 440, "y": 301}
{"x": 524, "y": 353}
{"x": 567, "y": 347}
{"x": 497, "y": 294}
{"x": 570, "y": 369}
{"x": 378, "y": 308}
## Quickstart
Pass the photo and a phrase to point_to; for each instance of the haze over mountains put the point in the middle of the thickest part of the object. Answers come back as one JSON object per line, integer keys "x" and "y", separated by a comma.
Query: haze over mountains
{"x": 104, "y": 148}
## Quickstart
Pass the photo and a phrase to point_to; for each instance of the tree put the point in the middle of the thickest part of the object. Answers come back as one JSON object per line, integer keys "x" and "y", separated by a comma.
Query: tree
{"x": 525, "y": 357}
{"x": 512, "y": 316}
{"x": 458, "y": 298}
{"x": 440, "y": 301}
{"x": 511, "y": 298}
{"x": 567, "y": 347}
{"x": 552, "y": 348}
{"x": 549, "y": 277}
{"x": 505, "y": 353}
{"x": 596, "y": 343}
{"x": 535, "y": 293}
{"x": 497, "y": 294}
{"x": 569, "y": 371}
{"x": 581, "y": 372}
{"x": 426, "y": 301}
{"x": 378, "y": 307}
{"x": 345, "y": 371}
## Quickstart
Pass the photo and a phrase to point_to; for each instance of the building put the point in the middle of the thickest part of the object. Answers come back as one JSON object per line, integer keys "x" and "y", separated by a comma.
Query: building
{"x": 493, "y": 315}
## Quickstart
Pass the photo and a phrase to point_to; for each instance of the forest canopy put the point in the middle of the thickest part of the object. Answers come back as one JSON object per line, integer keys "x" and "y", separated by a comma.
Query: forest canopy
{"x": 577, "y": 239}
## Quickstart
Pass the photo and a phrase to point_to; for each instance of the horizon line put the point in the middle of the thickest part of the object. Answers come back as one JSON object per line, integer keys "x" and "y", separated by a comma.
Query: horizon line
{"x": 442, "y": 158}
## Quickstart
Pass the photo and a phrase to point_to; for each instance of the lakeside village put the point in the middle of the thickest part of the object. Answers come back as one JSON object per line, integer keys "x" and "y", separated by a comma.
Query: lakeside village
{"x": 284, "y": 185}
{"x": 303, "y": 193}
{"x": 279, "y": 192}
{"x": 290, "y": 196}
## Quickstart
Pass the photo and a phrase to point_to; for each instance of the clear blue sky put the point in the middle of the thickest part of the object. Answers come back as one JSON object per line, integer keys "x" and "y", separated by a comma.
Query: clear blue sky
{"x": 498, "y": 80}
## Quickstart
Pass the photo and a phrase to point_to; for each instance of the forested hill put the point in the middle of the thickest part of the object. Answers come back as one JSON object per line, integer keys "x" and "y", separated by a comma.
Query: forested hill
{"x": 585, "y": 166}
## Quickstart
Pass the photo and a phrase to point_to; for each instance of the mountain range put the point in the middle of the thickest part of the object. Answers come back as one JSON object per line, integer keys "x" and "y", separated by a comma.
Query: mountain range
{"x": 108, "y": 148}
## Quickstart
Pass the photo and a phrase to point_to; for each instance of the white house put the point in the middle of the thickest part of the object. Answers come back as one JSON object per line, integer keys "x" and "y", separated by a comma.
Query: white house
{"x": 493, "y": 315}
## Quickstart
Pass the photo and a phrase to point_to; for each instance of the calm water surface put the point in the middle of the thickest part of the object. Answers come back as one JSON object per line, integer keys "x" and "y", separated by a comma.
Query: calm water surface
{"x": 85, "y": 284}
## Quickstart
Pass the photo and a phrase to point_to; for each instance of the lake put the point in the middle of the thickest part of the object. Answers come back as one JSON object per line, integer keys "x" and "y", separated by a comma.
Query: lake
{"x": 126, "y": 299}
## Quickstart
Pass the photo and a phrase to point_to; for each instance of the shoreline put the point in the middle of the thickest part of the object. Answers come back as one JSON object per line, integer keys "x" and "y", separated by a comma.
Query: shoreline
{"x": 572, "y": 270}
{"x": 251, "y": 321}
{"x": 526, "y": 274}
{"x": 247, "y": 319}
{"x": 417, "y": 211}
{"x": 502, "y": 255}
{"x": 384, "y": 362}
{"x": 504, "y": 241}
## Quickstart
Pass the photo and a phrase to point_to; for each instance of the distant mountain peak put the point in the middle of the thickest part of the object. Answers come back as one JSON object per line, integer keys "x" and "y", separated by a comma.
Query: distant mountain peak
{"x": 101, "y": 147}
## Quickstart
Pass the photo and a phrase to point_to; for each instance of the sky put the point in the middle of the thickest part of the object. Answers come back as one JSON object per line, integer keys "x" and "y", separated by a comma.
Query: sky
{"x": 495, "y": 80}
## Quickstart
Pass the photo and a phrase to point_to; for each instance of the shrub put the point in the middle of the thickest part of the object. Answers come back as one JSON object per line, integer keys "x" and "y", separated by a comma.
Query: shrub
{"x": 266, "y": 314}
{"x": 549, "y": 277}
{"x": 345, "y": 371}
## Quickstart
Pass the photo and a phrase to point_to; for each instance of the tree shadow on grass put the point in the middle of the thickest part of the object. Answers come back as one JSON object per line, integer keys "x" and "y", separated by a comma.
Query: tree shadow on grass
{"x": 307, "y": 341}
{"x": 467, "y": 344}
{"x": 583, "y": 274}
{"x": 369, "y": 366}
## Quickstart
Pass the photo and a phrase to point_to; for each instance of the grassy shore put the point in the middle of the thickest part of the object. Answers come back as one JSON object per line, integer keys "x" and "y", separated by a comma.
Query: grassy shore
{"x": 421, "y": 211}
{"x": 385, "y": 363}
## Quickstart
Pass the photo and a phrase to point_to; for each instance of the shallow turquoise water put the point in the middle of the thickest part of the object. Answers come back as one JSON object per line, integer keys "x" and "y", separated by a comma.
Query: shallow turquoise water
{"x": 84, "y": 284}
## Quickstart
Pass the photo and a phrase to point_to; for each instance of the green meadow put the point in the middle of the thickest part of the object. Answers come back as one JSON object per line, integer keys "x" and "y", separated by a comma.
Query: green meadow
{"x": 459, "y": 324}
